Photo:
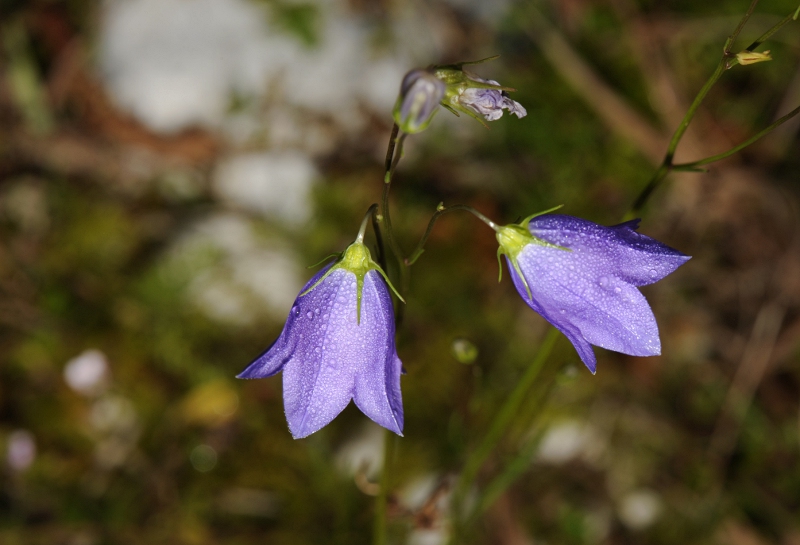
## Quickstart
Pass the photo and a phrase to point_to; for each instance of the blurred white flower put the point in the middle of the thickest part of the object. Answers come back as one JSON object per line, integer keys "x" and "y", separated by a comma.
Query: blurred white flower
{"x": 640, "y": 508}
{"x": 363, "y": 452}
{"x": 20, "y": 450}
{"x": 566, "y": 441}
{"x": 87, "y": 373}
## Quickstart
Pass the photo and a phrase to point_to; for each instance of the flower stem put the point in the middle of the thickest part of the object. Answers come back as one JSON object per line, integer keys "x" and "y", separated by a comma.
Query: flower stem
{"x": 379, "y": 529}
{"x": 693, "y": 165}
{"x": 363, "y": 229}
{"x": 500, "y": 424}
{"x": 727, "y": 62}
{"x": 393, "y": 154}
{"x": 439, "y": 211}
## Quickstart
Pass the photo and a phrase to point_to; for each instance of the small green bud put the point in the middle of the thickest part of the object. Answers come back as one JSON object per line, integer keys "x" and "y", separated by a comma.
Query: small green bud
{"x": 464, "y": 351}
{"x": 751, "y": 57}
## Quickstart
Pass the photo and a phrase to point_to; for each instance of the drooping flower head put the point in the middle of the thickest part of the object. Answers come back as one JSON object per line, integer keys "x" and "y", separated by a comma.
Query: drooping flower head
{"x": 483, "y": 99}
{"x": 420, "y": 94}
{"x": 338, "y": 345}
{"x": 582, "y": 278}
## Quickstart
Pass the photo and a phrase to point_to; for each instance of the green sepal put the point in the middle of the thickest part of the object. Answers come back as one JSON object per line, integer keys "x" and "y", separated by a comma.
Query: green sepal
{"x": 356, "y": 259}
{"x": 323, "y": 260}
{"x": 324, "y": 276}
{"x": 514, "y": 238}
{"x": 451, "y": 109}
{"x": 527, "y": 220}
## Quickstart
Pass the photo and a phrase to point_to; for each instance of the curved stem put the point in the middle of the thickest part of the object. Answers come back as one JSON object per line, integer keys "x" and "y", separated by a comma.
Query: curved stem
{"x": 727, "y": 61}
{"x": 393, "y": 154}
{"x": 363, "y": 229}
{"x": 736, "y": 149}
{"x": 415, "y": 255}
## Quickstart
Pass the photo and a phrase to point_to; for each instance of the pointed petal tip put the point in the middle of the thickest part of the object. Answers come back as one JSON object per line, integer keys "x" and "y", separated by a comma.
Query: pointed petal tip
{"x": 302, "y": 433}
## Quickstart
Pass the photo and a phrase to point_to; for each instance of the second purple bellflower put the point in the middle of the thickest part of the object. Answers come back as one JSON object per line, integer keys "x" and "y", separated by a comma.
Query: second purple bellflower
{"x": 583, "y": 277}
{"x": 338, "y": 345}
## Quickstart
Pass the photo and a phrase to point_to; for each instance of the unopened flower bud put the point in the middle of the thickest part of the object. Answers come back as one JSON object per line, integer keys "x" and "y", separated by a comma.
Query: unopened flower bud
{"x": 420, "y": 94}
{"x": 751, "y": 57}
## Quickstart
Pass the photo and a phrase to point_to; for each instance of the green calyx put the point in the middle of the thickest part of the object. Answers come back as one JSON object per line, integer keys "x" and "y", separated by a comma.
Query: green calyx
{"x": 514, "y": 238}
{"x": 357, "y": 260}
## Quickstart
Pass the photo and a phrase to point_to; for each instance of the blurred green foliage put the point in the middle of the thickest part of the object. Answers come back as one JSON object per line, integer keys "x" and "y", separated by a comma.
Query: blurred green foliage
{"x": 177, "y": 451}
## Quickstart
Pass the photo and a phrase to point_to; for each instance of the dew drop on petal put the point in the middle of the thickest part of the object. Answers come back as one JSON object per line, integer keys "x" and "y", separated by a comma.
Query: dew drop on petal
{"x": 617, "y": 290}
{"x": 310, "y": 315}
{"x": 653, "y": 273}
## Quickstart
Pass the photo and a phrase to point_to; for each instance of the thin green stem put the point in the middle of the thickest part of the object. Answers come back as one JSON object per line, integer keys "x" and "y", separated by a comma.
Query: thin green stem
{"x": 510, "y": 473}
{"x": 501, "y": 422}
{"x": 690, "y": 113}
{"x": 393, "y": 155}
{"x": 443, "y": 210}
{"x": 768, "y": 34}
{"x": 714, "y": 158}
{"x": 362, "y": 230}
{"x": 390, "y": 151}
{"x": 379, "y": 533}
{"x": 727, "y": 61}
{"x": 381, "y": 257}
{"x": 739, "y": 27}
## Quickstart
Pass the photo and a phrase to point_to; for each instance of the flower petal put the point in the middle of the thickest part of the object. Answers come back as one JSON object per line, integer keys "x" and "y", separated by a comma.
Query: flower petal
{"x": 644, "y": 260}
{"x": 377, "y": 385}
{"x": 583, "y": 347}
{"x": 618, "y": 250}
{"x": 272, "y": 360}
{"x": 319, "y": 377}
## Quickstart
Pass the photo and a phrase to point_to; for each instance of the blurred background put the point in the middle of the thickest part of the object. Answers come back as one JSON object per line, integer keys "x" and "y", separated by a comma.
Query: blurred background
{"x": 169, "y": 168}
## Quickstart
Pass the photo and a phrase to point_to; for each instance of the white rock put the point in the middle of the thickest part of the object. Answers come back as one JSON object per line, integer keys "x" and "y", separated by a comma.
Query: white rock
{"x": 177, "y": 63}
{"x": 235, "y": 275}
{"x": 277, "y": 185}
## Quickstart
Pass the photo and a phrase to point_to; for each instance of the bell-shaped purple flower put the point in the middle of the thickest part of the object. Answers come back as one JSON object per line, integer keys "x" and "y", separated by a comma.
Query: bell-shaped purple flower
{"x": 582, "y": 278}
{"x": 338, "y": 345}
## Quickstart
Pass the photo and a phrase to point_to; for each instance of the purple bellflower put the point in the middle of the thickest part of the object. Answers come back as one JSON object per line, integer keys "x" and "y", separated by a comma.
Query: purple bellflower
{"x": 338, "y": 345}
{"x": 582, "y": 278}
